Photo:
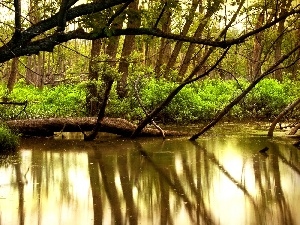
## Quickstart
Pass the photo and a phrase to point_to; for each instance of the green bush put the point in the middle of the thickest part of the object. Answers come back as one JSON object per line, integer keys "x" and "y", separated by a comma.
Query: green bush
{"x": 9, "y": 141}
{"x": 201, "y": 101}
{"x": 270, "y": 97}
{"x": 196, "y": 102}
{"x": 64, "y": 100}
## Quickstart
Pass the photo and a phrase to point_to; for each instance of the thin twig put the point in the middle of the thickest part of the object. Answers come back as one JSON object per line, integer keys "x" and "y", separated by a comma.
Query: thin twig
{"x": 144, "y": 109}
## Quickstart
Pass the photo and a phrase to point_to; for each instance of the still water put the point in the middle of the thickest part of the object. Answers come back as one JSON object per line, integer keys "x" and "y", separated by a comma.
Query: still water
{"x": 215, "y": 180}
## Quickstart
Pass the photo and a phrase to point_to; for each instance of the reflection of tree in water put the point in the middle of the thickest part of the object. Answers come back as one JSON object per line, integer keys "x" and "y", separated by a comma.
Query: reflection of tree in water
{"x": 103, "y": 172}
{"x": 50, "y": 183}
{"x": 176, "y": 185}
{"x": 163, "y": 189}
{"x": 50, "y": 173}
{"x": 157, "y": 183}
{"x": 271, "y": 198}
{"x": 210, "y": 157}
{"x": 7, "y": 160}
{"x": 279, "y": 195}
{"x": 13, "y": 160}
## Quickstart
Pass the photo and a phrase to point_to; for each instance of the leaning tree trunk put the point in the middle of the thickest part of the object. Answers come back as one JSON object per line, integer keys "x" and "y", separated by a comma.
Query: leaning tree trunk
{"x": 243, "y": 94}
{"x": 190, "y": 51}
{"x": 282, "y": 114}
{"x": 178, "y": 45}
{"x": 107, "y": 83}
{"x": 191, "y": 78}
{"x": 295, "y": 129}
{"x": 101, "y": 113}
{"x": 170, "y": 97}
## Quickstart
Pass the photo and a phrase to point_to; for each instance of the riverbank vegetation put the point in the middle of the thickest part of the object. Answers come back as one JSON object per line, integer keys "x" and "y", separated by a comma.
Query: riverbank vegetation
{"x": 9, "y": 141}
{"x": 198, "y": 102}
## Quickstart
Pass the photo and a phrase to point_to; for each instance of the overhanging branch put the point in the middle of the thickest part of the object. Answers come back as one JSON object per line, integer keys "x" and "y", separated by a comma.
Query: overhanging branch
{"x": 25, "y": 46}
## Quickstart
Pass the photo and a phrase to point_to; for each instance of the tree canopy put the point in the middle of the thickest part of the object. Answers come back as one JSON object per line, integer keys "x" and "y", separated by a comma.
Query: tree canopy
{"x": 28, "y": 38}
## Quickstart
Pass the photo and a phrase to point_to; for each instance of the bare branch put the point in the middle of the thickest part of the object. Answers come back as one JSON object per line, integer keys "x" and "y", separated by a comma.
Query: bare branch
{"x": 118, "y": 12}
{"x": 25, "y": 46}
{"x": 160, "y": 15}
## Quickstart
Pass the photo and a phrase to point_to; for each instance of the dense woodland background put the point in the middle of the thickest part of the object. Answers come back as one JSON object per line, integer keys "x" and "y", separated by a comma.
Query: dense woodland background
{"x": 173, "y": 60}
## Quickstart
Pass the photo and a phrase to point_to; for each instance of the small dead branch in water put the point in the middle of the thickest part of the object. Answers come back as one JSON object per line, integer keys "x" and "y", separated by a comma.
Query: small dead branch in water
{"x": 264, "y": 150}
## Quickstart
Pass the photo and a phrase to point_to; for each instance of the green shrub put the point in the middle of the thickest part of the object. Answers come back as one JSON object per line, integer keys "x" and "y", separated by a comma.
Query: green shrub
{"x": 64, "y": 100}
{"x": 196, "y": 102}
{"x": 9, "y": 141}
{"x": 270, "y": 97}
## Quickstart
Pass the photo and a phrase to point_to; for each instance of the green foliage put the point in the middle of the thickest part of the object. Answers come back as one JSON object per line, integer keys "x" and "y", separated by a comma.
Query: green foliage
{"x": 196, "y": 102}
{"x": 9, "y": 141}
{"x": 60, "y": 101}
{"x": 103, "y": 67}
{"x": 269, "y": 97}
{"x": 63, "y": 101}
{"x": 200, "y": 101}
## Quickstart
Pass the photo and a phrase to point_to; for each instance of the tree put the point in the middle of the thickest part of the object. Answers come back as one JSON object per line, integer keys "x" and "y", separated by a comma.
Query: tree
{"x": 134, "y": 21}
{"x": 105, "y": 20}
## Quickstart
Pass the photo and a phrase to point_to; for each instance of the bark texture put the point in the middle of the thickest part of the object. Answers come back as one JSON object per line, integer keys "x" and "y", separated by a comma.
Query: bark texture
{"x": 281, "y": 115}
{"x": 47, "y": 127}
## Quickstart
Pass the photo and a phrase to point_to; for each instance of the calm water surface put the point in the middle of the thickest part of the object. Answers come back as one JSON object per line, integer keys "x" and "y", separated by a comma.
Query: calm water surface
{"x": 216, "y": 180}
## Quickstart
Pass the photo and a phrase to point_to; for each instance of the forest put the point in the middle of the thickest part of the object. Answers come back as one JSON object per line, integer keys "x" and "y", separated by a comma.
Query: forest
{"x": 149, "y": 62}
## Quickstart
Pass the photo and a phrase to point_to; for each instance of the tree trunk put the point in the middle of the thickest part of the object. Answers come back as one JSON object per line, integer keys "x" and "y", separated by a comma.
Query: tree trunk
{"x": 92, "y": 101}
{"x": 295, "y": 129}
{"x": 222, "y": 113}
{"x": 40, "y": 70}
{"x": 164, "y": 49}
{"x": 107, "y": 83}
{"x": 134, "y": 21}
{"x": 285, "y": 4}
{"x": 13, "y": 74}
{"x": 281, "y": 115}
{"x": 189, "y": 54}
{"x": 255, "y": 63}
{"x": 32, "y": 65}
{"x": 101, "y": 113}
{"x": 47, "y": 127}
{"x": 185, "y": 29}
{"x": 29, "y": 72}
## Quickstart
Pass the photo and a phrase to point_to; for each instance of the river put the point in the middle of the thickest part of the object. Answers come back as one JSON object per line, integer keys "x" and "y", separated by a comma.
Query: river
{"x": 219, "y": 179}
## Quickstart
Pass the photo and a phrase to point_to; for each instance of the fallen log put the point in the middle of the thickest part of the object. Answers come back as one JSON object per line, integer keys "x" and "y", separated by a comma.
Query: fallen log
{"x": 47, "y": 127}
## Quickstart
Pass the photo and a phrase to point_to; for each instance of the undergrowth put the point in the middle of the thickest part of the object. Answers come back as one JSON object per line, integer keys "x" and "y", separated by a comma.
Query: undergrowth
{"x": 200, "y": 101}
{"x": 9, "y": 141}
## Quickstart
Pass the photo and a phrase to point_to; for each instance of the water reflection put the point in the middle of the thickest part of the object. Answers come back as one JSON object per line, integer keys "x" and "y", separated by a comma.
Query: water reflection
{"x": 211, "y": 181}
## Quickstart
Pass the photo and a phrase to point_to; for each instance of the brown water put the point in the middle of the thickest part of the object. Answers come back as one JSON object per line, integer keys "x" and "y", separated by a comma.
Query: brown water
{"x": 216, "y": 180}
